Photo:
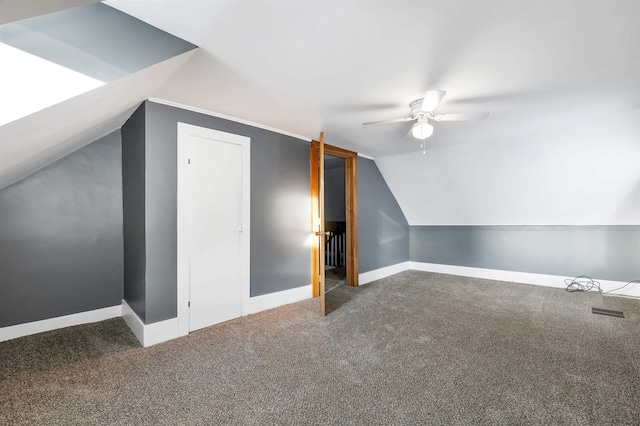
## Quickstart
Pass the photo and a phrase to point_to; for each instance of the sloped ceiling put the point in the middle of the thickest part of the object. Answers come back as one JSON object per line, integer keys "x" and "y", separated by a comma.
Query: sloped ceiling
{"x": 560, "y": 79}
{"x": 30, "y": 143}
{"x": 16, "y": 10}
{"x": 325, "y": 65}
{"x": 42, "y": 119}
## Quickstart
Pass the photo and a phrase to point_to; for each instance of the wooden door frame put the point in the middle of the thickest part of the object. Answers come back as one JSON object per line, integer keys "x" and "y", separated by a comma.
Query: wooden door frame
{"x": 351, "y": 201}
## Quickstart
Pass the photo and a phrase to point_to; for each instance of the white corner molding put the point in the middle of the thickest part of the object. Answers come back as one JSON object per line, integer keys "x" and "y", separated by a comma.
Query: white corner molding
{"x": 378, "y": 274}
{"x": 280, "y": 298}
{"x": 227, "y": 117}
{"x": 632, "y": 290}
{"x": 152, "y": 334}
{"x": 20, "y": 330}
{"x": 368, "y": 157}
{"x": 149, "y": 334}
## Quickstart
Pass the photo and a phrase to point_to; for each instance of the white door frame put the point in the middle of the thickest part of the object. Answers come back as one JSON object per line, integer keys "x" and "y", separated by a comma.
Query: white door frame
{"x": 184, "y": 132}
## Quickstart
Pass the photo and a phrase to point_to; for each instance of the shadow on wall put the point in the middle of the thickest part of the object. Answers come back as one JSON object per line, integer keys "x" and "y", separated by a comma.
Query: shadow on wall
{"x": 390, "y": 235}
{"x": 61, "y": 237}
{"x": 389, "y": 230}
{"x": 631, "y": 202}
{"x": 619, "y": 246}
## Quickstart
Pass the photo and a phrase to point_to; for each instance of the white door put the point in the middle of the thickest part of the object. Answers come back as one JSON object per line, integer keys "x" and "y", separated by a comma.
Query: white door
{"x": 216, "y": 220}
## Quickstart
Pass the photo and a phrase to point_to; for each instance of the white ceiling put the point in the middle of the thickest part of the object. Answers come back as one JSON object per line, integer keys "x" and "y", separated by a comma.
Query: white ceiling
{"x": 307, "y": 66}
{"x": 34, "y": 141}
{"x": 560, "y": 78}
{"x": 69, "y": 78}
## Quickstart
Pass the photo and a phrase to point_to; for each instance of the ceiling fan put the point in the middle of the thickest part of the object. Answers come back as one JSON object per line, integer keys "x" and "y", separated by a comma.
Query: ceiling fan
{"x": 423, "y": 110}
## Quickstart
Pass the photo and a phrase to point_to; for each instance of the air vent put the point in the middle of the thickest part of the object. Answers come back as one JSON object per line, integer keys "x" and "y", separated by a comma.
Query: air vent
{"x": 608, "y": 312}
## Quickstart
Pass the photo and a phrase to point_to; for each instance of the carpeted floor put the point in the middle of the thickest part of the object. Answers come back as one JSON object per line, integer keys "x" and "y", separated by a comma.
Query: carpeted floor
{"x": 415, "y": 348}
{"x": 337, "y": 274}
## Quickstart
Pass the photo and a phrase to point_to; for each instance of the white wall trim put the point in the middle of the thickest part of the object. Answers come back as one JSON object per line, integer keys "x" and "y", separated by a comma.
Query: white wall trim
{"x": 378, "y": 274}
{"x": 20, "y": 330}
{"x": 133, "y": 321}
{"x": 149, "y": 334}
{"x": 633, "y": 290}
{"x": 368, "y": 157}
{"x": 227, "y": 117}
{"x": 273, "y": 300}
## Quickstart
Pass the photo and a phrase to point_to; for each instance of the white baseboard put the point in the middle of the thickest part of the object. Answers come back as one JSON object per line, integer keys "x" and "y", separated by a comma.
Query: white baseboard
{"x": 20, "y": 330}
{"x": 149, "y": 334}
{"x": 378, "y": 274}
{"x": 273, "y": 300}
{"x": 632, "y": 290}
{"x": 152, "y": 334}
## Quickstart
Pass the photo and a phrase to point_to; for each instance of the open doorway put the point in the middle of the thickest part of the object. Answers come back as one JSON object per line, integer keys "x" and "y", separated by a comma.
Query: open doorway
{"x": 335, "y": 221}
{"x": 350, "y": 173}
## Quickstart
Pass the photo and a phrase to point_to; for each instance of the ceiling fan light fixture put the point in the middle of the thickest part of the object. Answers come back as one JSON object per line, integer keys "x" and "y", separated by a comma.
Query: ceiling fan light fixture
{"x": 422, "y": 130}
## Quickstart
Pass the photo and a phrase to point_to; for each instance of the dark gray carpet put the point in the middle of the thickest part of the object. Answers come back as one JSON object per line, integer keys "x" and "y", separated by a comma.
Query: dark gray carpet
{"x": 336, "y": 274}
{"x": 415, "y": 348}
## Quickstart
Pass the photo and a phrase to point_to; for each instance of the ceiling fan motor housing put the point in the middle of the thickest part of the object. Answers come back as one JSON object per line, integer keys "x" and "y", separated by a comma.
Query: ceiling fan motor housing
{"x": 416, "y": 108}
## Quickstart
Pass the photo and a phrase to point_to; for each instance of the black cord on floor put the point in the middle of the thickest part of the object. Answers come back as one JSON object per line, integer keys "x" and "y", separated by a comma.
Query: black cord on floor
{"x": 584, "y": 283}
{"x": 620, "y": 288}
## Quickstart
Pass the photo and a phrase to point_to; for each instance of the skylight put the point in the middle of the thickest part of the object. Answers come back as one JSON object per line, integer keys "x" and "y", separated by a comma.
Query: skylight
{"x": 29, "y": 83}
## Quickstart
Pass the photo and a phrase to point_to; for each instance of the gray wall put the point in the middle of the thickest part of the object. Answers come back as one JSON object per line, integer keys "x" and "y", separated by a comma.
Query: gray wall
{"x": 601, "y": 252}
{"x": 280, "y": 207}
{"x": 334, "y": 193}
{"x": 280, "y": 210}
{"x": 133, "y": 203}
{"x": 61, "y": 237}
{"x": 95, "y": 40}
{"x": 383, "y": 231}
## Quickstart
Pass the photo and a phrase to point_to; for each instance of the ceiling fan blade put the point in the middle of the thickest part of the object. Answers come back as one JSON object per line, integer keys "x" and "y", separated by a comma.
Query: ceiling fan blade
{"x": 468, "y": 116}
{"x": 397, "y": 120}
{"x": 432, "y": 99}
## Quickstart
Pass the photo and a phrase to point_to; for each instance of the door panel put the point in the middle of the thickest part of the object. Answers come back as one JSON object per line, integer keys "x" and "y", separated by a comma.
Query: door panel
{"x": 215, "y": 230}
{"x": 321, "y": 230}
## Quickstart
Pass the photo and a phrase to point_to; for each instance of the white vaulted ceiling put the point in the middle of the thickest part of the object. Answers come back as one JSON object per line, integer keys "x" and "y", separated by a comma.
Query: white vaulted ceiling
{"x": 70, "y": 77}
{"x": 34, "y": 141}
{"x": 307, "y": 66}
{"x": 560, "y": 78}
